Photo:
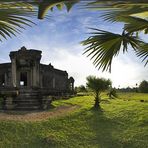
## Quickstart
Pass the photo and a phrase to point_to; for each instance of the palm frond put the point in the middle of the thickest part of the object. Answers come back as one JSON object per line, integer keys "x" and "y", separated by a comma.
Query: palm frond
{"x": 16, "y": 4}
{"x": 98, "y": 84}
{"x": 113, "y": 16}
{"x": 121, "y": 14}
{"x": 13, "y": 20}
{"x": 134, "y": 24}
{"x": 142, "y": 52}
{"x": 102, "y": 46}
{"x": 116, "y": 11}
{"x": 49, "y": 5}
{"x": 112, "y": 4}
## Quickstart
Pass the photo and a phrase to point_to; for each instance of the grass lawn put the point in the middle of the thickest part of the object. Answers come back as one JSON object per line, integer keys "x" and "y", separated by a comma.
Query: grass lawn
{"x": 122, "y": 123}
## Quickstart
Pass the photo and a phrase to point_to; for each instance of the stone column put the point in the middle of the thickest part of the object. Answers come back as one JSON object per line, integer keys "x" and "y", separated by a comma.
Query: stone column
{"x": 28, "y": 79}
{"x": 36, "y": 74}
{"x": 41, "y": 80}
{"x": 31, "y": 77}
{"x": 14, "y": 76}
{"x": 72, "y": 86}
{"x": 53, "y": 82}
{"x": 6, "y": 79}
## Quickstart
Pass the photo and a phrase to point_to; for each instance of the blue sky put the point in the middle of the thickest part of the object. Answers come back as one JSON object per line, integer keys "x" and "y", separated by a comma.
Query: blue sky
{"x": 59, "y": 39}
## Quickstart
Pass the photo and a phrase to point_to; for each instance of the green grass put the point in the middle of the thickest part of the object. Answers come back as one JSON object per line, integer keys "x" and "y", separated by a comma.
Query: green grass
{"x": 134, "y": 96}
{"x": 122, "y": 123}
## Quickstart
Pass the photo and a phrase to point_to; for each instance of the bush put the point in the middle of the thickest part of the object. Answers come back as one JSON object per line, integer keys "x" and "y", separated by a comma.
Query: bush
{"x": 143, "y": 87}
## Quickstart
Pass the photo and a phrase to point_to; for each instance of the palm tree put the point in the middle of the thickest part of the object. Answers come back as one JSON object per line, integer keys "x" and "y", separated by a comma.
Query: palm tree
{"x": 112, "y": 93}
{"x": 97, "y": 85}
{"x": 102, "y": 45}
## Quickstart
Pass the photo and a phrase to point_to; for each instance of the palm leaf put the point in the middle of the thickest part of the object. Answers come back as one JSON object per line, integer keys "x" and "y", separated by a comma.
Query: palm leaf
{"x": 102, "y": 46}
{"x": 112, "y": 4}
{"x": 135, "y": 24}
{"x": 118, "y": 10}
{"x": 12, "y": 20}
{"x": 142, "y": 52}
{"x": 121, "y": 14}
{"x": 49, "y": 5}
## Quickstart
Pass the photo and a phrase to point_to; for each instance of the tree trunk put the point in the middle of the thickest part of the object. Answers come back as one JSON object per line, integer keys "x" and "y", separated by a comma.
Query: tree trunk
{"x": 97, "y": 101}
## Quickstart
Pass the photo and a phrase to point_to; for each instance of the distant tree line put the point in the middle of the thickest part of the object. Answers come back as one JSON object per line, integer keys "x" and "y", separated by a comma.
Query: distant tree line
{"x": 142, "y": 88}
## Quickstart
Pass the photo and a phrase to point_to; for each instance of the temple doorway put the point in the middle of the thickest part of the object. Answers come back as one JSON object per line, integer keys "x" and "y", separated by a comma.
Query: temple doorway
{"x": 23, "y": 79}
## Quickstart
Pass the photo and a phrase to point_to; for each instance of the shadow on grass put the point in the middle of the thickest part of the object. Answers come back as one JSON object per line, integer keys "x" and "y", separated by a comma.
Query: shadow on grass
{"x": 98, "y": 110}
{"x": 101, "y": 132}
{"x": 108, "y": 132}
{"x": 104, "y": 129}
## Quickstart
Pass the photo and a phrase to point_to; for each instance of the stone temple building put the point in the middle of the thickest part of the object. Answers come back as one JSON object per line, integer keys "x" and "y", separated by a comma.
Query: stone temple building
{"x": 25, "y": 83}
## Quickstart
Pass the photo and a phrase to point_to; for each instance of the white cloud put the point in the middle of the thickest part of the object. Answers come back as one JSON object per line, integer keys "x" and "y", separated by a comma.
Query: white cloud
{"x": 123, "y": 73}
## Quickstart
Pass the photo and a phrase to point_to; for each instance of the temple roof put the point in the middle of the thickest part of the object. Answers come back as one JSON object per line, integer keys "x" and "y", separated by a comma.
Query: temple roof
{"x": 25, "y": 53}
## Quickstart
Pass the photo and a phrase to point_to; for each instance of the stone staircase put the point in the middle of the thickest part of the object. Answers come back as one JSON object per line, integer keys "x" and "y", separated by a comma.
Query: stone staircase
{"x": 28, "y": 100}
{"x": 25, "y": 99}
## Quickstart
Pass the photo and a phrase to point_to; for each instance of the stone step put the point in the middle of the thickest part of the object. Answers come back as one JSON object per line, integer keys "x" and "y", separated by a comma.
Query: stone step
{"x": 28, "y": 96}
{"x": 29, "y": 93}
{"x": 22, "y": 102}
{"x": 27, "y": 100}
{"x": 20, "y": 97}
{"x": 27, "y": 107}
{"x": 27, "y": 103}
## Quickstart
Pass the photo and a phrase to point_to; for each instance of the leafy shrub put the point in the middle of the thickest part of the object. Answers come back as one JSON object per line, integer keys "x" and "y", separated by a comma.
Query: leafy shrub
{"x": 143, "y": 87}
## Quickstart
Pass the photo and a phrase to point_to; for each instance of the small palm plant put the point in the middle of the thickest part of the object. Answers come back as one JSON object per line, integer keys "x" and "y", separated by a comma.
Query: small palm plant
{"x": 112, "y": 93}
{"x": 97, "y": 85}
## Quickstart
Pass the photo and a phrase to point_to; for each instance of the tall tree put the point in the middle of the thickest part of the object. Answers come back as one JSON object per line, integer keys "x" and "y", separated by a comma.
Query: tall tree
{"x": 97, "y": 85}
{"x": 143, "y": 87}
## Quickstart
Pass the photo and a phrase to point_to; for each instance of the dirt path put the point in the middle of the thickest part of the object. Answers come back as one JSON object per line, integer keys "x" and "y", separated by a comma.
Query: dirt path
{"x": 36, "y": 115}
